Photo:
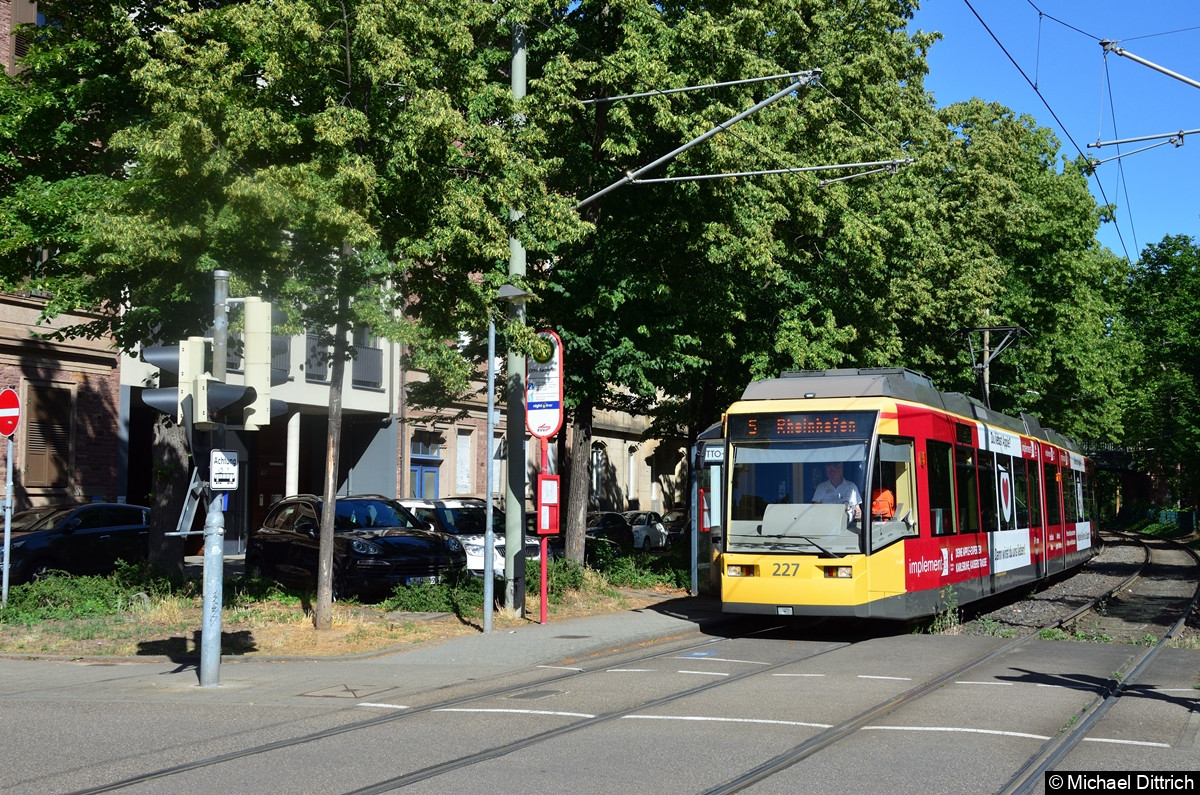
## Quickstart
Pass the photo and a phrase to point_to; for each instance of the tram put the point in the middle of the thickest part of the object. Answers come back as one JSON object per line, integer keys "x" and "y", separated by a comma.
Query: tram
{"x": 955, "y": 502}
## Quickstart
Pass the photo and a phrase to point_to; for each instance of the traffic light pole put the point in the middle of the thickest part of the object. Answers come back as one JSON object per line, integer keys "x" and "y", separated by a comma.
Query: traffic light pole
{"x": 214, "y": 573}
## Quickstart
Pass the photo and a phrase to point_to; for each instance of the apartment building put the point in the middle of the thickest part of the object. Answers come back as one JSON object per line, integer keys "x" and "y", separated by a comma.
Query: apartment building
{"x": 391, "y": 448}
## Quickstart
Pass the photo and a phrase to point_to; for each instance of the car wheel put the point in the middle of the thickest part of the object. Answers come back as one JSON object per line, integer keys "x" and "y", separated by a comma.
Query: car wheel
{"x": 39, "y": 569}
{"x": 646, "y": 545}
{"x": 254, "y": 569}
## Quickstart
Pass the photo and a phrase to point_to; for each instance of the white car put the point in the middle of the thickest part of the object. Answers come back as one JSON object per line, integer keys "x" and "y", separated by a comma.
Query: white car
{"x": 464, "y": 517}
{"x": 648, "y": 530}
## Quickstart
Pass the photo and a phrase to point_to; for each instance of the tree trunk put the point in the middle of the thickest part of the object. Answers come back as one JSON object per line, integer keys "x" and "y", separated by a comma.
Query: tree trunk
{"x": 323, "y": 610}
{"x": 578, "y": 491}
{"x": 172, "y": 474}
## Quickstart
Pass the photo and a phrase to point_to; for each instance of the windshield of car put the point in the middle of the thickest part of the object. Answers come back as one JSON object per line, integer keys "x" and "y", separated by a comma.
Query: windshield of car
{"x": 468, "y": 519}
{"x": 38, "y": 518}
{"x": 352, "y": 515}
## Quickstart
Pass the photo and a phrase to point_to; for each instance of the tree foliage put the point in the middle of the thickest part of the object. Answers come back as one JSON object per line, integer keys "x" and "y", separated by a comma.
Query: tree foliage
{"x": 1163, "y": 307}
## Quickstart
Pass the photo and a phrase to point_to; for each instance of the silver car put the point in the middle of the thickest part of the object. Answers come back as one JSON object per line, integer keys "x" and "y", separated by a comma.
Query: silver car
{"x": 464, "y": 517}
{"x": 648, "y": 530}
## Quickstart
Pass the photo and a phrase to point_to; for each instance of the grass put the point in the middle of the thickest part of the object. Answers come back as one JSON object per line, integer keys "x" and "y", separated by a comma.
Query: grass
{"x": 134, "y": 612}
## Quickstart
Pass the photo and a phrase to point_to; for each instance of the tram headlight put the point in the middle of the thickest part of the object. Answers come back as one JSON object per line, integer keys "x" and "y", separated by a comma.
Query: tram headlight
{"x": 735, "y": 570}
{"x": 845, "y": 572}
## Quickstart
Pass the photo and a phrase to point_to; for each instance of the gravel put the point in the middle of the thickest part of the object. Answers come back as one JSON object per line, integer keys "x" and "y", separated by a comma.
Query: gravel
{"x": 1047, "y": 603}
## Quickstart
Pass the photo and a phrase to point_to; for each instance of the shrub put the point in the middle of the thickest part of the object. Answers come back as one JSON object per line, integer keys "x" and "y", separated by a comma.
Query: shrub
{"x": 61, "y": 596}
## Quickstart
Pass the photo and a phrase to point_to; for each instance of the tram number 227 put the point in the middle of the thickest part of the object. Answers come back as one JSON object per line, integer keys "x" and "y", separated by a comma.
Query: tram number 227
{"x": 785, "y": 569}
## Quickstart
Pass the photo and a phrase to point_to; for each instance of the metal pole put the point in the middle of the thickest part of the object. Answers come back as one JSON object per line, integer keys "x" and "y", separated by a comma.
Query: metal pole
{"x": 214, "y": 566}
{"x": 8, "y": 489}
{"x": 694, "y": 513}
{"x": 489, "y": 532}
{"x": 543, "y": 542}
{"x": 514, "y": 495}
{"x": 220, "y": 323}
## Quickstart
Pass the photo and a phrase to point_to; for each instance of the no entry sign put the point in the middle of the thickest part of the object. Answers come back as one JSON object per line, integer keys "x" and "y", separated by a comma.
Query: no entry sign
{"x": 10, "y": 412}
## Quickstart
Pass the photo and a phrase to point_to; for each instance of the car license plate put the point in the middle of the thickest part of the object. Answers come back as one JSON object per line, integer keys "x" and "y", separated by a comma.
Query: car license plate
{"x": 421, "y": 580}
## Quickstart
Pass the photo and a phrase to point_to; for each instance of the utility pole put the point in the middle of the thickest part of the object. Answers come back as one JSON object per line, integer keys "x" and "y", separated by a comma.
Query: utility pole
{"x": 514, "y": 495}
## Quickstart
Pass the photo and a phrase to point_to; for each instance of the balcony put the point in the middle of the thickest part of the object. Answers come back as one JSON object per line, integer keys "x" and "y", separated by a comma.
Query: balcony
{"x": 366, "y": 369}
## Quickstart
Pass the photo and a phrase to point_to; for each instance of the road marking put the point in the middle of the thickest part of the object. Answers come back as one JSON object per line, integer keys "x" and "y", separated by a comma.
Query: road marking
{"x": 560, "y": 667}
{"x": 954, "y": 729}
{"x": 897, "y": 678}
{"x": 728, "y": 720}
{"x": 703, "y": 673}
{"x": 519, "y": 712}
{"x": 1072, "y": 687}
{"x": 797, "y": 674}
{"x": 382, "y": 706}
{"x": 1125, "y": 742}
{"x": 1002, "y": 684}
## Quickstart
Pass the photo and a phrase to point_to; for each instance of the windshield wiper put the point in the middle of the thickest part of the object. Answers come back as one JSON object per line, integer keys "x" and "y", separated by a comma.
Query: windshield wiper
{"x": 828, "y": 554}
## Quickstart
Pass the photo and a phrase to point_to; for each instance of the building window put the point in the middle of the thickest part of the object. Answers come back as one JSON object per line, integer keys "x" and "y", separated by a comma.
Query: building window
{"x": 51, "y": 412}
{"x": 463, "y": 463}
{"x": 598, "y": 459}
{"x": 423, "y": 474}
{"x": 632, "y": 490}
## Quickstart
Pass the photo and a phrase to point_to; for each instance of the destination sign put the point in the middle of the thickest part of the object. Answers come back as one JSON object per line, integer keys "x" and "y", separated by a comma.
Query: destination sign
{"x": 802, "y": 425}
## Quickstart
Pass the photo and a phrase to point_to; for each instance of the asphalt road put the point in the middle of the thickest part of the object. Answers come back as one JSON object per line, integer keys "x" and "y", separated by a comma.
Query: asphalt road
{"x": 673, "y": 699}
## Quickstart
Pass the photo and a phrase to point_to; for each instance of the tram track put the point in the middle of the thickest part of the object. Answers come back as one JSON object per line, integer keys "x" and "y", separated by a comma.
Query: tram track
{"x": 1048, "y": 754}
{"x": 621, "y": 658}
{"x": 1055, "y": 748}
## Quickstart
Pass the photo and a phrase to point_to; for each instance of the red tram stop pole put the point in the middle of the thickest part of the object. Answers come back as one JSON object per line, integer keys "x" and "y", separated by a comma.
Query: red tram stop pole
{"x": 547, "y": 516}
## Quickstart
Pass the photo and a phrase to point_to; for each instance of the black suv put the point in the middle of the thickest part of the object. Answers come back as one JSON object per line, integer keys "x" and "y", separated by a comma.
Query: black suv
{"x": 81, "y": 538}
{"x": 377, "y": 545}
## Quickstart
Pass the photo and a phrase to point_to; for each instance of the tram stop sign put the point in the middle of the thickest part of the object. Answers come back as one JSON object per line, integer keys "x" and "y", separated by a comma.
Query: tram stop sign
{"x": 10, "y": 412}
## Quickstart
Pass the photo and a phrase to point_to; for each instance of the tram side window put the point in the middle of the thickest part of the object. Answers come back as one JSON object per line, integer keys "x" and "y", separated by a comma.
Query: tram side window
{"x": 1070, "y": 506}
{"x": 941, "y": 488}
{"x": 1020, "y": 488}
{"x": 987, "y": 492}
{"x": 1053, "y": 500}
{"x": 893, "y": 492}
{"x": 1083, "y": 496}
{"x": 968, "y": 494}
{"x": 1035, "y": 496}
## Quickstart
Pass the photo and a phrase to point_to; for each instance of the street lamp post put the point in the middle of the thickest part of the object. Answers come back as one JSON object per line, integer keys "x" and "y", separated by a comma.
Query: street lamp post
{"x": 506, "y": 293}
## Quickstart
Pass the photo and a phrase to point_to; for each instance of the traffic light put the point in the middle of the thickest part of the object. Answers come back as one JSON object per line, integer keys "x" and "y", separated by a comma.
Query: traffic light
{"x": 188, "y": 401}
{"x": 258, "y": 353}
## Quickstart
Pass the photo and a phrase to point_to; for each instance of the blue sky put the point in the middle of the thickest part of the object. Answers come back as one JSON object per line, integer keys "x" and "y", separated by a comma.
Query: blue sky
{"x": 1094, "y": 97}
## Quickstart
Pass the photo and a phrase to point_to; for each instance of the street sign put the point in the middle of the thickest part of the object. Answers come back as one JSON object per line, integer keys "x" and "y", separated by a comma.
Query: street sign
{"x": 223, "y": 470}
{"x": 544, "y": 379}
{"x": 10, "y": 412}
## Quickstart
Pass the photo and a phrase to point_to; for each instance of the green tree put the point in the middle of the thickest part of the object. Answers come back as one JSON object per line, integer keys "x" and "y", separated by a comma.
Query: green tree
{"x": 686, "y": 291}
{"x": 1163, "y": 307}
{"x": 334, "y": 156}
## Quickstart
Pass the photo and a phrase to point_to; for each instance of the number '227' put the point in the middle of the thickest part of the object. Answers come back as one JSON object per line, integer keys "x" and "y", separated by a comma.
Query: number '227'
{"x": 785, "y": 569}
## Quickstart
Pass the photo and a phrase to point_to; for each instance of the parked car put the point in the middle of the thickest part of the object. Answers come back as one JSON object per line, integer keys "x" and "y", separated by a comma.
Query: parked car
{"x": 677, "y": 523}
{"x": 80, "y": 538}
{"x": 465, "y": 518}
{"x": 612, "y": 527}
{"x": 377, "y": 545}
{"x": 648, "y": 530}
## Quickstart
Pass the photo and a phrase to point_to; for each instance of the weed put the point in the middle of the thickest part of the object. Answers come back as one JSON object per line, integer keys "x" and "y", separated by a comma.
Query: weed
{"x": 1053, "y": 633}
{"x": 948, "y": 620}
{"x": 1148, "y": 640}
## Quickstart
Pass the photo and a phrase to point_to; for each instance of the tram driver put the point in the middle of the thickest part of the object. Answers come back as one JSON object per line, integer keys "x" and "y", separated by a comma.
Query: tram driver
{"x": 835, "y": 488}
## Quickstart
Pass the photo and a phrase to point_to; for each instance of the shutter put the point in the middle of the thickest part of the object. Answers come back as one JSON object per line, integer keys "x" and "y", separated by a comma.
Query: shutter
{"x": 48, "y": 437}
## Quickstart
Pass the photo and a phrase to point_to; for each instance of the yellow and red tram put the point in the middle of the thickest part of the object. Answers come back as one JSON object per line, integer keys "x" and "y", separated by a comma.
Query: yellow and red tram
{"x": 976, "y": 502}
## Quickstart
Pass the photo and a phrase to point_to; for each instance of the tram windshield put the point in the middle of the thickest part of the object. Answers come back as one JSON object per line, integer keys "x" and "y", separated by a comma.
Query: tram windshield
{"x": 797, "y": 496}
